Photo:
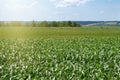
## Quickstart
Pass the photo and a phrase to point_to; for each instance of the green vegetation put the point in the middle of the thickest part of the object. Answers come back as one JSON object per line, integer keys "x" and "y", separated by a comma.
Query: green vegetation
{"x": 42, "y": 53}
{"x": 40, "y": 24}
{"x": 47, "y": 59}
{"x": 54, "y": 32}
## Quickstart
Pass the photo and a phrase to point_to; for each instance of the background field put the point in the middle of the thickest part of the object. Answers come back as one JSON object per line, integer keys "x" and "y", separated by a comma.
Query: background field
{"x": 62, "y": 32}
{"x": 34, "y": 53}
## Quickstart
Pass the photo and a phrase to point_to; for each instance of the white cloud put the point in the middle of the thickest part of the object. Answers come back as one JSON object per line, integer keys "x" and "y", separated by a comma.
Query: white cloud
{"x": 16, "y": 5}
{"x": 67, "y": 3}
{"x": 52, "y": 0}
{"x": 59, "y": 13}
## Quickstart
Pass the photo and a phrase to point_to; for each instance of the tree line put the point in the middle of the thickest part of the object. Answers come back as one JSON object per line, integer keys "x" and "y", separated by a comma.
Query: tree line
{"x": 41, "y": 23}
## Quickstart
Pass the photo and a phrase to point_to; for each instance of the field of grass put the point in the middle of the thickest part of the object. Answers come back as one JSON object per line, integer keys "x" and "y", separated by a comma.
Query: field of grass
{"x": 53, "y": 32}
{"x": 32, "y": 53}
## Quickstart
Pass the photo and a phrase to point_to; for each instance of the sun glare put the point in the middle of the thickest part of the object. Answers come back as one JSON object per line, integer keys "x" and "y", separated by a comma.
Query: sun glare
{"x": 16, "y": 8}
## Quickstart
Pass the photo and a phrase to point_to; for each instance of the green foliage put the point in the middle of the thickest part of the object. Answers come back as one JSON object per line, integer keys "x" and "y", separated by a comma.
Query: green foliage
{"x": 43, "y": 53}
{"x": 33, "y": 24}
{"x": 43, "y": 24}
{"x": 58, "y": 32}
{"x": 40, "y": 24}
{"x": 57, "y": 24}
{"x": 60, "y": 59}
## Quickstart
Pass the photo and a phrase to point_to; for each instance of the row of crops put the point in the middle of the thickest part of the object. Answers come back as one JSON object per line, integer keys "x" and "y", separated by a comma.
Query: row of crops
{"x": 60, "y": 59}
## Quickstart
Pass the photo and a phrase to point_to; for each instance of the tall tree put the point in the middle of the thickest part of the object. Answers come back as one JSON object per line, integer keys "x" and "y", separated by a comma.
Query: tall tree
{"x": 33, "y": 23}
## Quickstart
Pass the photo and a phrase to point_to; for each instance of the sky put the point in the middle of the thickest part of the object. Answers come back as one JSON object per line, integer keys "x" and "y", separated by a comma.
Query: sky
{"x": 60, "y": 10}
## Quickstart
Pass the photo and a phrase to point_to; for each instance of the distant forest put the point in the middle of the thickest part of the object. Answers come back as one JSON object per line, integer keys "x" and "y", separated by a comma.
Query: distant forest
{"x": 40, "y": 23}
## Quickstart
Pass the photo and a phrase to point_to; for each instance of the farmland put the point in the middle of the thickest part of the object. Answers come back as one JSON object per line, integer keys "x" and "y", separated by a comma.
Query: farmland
{"x": 40, "y": 53}
{"x": 57, "y": 32}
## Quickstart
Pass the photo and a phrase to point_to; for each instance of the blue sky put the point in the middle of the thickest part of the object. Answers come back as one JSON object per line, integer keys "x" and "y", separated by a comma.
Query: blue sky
{"x": 50, "y": 10}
